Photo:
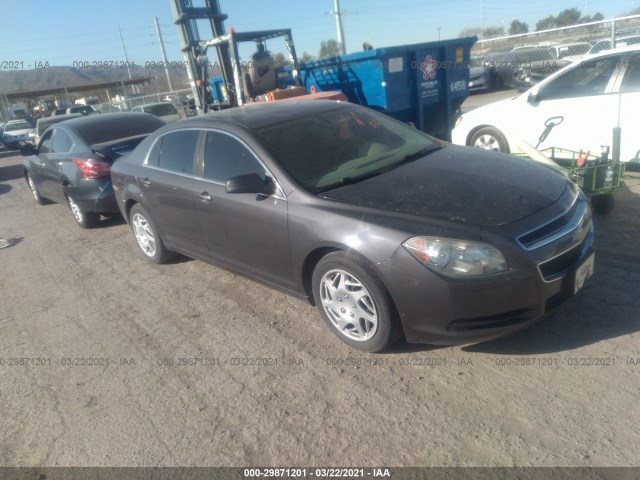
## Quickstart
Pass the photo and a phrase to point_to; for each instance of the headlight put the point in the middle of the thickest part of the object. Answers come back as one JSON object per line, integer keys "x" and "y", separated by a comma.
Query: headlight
{"x": 456, "y": 258}
{"x": 31, "y": 134}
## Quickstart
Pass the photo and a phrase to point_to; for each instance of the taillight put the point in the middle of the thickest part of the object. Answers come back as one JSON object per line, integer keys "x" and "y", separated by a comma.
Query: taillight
{"x": 92, "y": 168}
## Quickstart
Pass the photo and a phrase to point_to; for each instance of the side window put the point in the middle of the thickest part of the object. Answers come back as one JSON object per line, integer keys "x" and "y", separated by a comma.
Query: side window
{"x": 631, "y": 82}
{"x": 61, "y": 142}
{"x": 154, "y": 153}
{"x": 178, "y": 150}
{"x": 45, "y": 142}
{"x": 226, "y": 157}
{"x": 588, "y": 78}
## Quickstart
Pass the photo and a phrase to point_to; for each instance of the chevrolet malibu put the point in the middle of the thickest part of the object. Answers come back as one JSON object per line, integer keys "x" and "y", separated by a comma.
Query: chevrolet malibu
{"x": 386, "y": 230}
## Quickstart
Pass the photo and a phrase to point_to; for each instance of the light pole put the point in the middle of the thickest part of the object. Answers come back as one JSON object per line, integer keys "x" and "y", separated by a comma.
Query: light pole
{"x": 338, "y": 13}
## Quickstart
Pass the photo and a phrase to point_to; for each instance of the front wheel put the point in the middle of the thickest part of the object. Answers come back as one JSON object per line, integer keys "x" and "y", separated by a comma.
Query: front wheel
{"x": 84, "y": 219}
{"x": 354, "y": 304}
{"x": 147, "y": 237}
{"x": 490, "y": 138}
{"x": 34, "y": 190}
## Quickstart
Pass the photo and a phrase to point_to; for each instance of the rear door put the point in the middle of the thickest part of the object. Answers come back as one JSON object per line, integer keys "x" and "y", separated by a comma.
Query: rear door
{"x": 168, "y": 186}
{"x": 52, "y": 163}
{"x": 38, "y": 163}
{"x": 585, "y": 98}
{"x": 248, "y": 232}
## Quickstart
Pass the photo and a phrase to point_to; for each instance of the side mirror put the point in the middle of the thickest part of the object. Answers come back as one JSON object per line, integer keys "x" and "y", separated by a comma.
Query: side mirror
{"x": 28, "y": 150}
{"x": 533, "y": 98}
{"x": 248, "y": 183}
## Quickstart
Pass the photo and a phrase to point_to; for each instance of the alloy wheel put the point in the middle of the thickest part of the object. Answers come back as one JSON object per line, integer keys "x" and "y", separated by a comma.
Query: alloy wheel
{"x": 348, "y": 305}
{"x": 144, "y": 235}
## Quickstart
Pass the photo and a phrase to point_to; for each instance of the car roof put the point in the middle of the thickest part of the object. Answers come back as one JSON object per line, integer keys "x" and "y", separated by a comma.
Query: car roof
{"x": 59, "y": 118}
{"x": 615, "y": 51}
{"x": 266, "y": 113}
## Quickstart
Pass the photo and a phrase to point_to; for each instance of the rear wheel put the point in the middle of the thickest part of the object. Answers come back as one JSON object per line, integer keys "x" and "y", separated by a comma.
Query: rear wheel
{"x": 34, "y": 190}
{"x": 354, "y": 304}
{"x": 147, "y": 237}
{"x": 84, "y": 219}
{"x": 489, "y": 138}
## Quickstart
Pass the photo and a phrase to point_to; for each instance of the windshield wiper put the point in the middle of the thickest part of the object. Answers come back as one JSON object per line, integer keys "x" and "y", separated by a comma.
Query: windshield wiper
{"x": 419, "y": 154}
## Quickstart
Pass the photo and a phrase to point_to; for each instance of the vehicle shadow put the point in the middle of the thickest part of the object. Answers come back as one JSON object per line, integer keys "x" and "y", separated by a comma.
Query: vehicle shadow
{"x": 110, "y": 221}
{"x": 9, "y": 153}
{"x": 11, "y": 172}
{"x": 4, "y": 188}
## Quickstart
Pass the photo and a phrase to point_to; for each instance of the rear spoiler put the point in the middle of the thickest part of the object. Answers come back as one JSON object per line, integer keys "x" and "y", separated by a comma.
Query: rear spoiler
{"x": 115, "y": 149}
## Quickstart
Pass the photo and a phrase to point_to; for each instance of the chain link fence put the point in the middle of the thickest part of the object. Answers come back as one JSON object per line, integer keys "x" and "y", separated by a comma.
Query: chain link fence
{"x": 180, "y": 98}
{"x": 500, "y": 65}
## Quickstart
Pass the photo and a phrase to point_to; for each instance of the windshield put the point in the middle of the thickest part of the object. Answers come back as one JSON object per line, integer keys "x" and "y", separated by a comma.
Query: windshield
{"x": 342, "y": 146}
{"x": 16, "y": 126}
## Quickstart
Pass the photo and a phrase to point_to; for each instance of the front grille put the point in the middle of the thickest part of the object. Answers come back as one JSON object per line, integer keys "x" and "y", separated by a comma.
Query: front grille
{"x": 529, "y": 240}
{"x": 558, "y": 266}
{"x": 492, "y": 321}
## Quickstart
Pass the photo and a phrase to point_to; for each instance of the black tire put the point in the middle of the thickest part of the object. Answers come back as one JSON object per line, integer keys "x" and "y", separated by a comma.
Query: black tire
{"x": 386, "y": 331}
{"x": 603, "y": 204}
{"x": 34, "y": 190}
{"x": 83, "y": 219}
{"x": 489, "y": 138}
{"x": 140, "y": 221}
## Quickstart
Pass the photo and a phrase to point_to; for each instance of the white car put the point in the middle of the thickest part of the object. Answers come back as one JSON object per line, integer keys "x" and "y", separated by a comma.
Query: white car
{"x": 15, "y": 132}
{"x": 593, "y": 97}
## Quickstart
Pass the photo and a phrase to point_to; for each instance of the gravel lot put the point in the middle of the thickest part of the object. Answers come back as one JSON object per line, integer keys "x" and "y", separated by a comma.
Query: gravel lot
{"x": 107, "y": 360}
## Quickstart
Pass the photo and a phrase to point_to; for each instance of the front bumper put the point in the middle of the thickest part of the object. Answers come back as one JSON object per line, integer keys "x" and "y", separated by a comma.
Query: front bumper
{"x": 443, "y": 311}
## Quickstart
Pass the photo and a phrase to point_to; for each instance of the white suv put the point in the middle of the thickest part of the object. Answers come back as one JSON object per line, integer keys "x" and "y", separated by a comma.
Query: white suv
{"x": 592, "y": 96}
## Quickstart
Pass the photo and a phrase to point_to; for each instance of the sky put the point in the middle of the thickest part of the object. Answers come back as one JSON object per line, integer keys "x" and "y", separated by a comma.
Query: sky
{"x": 65, "y": 32}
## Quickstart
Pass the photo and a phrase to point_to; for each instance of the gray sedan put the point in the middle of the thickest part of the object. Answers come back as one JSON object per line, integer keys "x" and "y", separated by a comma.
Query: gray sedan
{"x": 388, "y": 231}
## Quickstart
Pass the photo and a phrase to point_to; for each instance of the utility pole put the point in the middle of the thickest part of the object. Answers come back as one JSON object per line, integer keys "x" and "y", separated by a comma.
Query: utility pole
{"x": 164, "y": 53}
{"x": 126, "y": 58}
{"x": 439, "y": 28}
{"x": 481, "y": 21}
{"x": 338, "y": 13}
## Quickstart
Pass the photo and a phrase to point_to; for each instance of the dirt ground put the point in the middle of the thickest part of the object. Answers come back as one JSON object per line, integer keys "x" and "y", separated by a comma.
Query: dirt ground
{"x": 107, "y": 360}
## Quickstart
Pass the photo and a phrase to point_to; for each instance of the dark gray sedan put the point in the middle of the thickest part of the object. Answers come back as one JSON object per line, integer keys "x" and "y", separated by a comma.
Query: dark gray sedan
{"x": 72, "y": 163}
{"x": 386, "y": 230}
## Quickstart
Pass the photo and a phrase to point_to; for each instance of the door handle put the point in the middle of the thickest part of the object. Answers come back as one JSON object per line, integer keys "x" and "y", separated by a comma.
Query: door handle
{"x": 146, "y": 182}
{"x": 205, "y": 197}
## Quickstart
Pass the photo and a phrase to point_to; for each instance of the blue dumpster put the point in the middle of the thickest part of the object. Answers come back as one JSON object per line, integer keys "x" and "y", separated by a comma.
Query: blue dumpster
{"x": 423, "y": 83}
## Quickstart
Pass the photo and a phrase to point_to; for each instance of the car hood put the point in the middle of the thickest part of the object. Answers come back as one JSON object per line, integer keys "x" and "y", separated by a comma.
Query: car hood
{"x": 17, "y": 133}
{"x": 460, "y": 184}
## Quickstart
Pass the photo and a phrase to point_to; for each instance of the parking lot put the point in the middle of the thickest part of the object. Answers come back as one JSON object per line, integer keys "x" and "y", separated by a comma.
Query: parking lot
{"x": 108, "y": 360}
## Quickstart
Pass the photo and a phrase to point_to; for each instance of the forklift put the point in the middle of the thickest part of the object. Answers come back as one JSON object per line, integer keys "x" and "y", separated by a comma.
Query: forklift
{"x": 243, "y": 82}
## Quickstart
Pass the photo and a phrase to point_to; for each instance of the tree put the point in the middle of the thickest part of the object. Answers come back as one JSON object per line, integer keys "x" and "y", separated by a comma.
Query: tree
{"x": 469, "y": 32}
{"x": 330, "y": 48}
{"x": 489, "y": 32}
{"x": 306, "y": 58}
{"x": 568, "y": 17}
{"x": 279, "y": 59}
{"x": 546, "y": 23}
{"x": 492, "y": 32}
{"x": 517, "y": 27}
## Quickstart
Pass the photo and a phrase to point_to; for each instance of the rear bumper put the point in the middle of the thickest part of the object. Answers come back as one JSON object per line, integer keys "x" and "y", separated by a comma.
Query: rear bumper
{"x": 94, "y": 196}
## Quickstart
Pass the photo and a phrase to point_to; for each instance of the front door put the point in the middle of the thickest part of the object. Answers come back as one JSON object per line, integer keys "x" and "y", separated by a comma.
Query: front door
{"x": 248, "y": 232}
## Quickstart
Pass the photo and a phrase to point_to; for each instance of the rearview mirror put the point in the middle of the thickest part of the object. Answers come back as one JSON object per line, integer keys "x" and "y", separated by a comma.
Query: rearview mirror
{"x": 248, "y": 183}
